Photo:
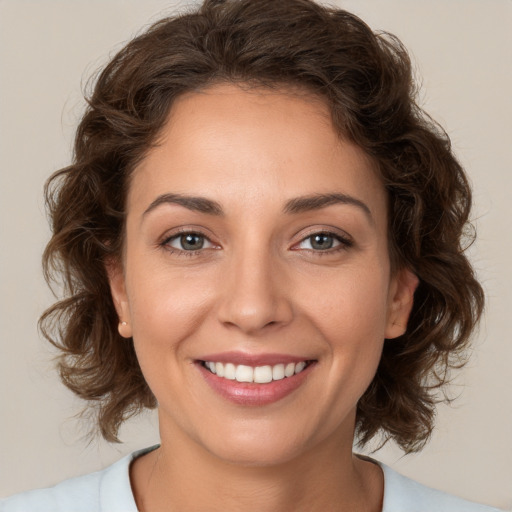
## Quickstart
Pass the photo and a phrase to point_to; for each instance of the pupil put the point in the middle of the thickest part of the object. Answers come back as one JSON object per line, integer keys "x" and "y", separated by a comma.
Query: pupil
{"x": 322, "y": 241}
{"x": 192, "y": 242}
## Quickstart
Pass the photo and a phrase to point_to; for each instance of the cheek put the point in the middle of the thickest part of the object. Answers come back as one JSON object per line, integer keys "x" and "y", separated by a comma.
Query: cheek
{"x": 348, "y": 301}
{"x": 165, "y": 308}
{"x": 351, "y": 315}
{"x": 166, "y": 314}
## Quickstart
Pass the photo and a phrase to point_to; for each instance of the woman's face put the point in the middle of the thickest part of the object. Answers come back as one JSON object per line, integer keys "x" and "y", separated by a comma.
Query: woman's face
{"x": 256, "y": 246}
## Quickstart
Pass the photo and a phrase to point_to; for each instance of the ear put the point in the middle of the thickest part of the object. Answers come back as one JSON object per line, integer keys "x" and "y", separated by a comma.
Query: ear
{"x": 119, "y": 296}
{"x": 401, "y": 298}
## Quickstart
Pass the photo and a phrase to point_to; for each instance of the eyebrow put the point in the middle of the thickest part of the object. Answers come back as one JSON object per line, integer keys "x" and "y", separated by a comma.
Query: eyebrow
{"x": 318, "y": 201}
{"x": 198, "y": 204}
{"x": 293, "y": 206}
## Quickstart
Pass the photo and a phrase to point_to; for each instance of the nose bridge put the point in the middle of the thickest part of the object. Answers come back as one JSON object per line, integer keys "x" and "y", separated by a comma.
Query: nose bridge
{"x": 253, "y": 295}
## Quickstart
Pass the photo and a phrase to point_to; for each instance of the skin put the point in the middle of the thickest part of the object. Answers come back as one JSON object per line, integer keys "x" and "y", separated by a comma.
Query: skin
{"x": 257, "y": 286}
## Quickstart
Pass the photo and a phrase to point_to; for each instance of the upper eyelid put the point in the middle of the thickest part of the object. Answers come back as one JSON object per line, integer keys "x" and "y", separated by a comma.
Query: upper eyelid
{"x": 345, "y": 241}
{"x": 165, "y": 243}
{"x": 335, "y": 232}
{"x": 183, "y": 231}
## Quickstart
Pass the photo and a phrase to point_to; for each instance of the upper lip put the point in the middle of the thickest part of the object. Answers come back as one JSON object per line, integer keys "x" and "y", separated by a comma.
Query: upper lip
{"x": 253, "y": 359}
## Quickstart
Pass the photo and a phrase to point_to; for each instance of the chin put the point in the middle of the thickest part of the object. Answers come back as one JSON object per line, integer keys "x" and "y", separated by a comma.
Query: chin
{"x": 256, "y": 454}
{"x": 260, "y": 445}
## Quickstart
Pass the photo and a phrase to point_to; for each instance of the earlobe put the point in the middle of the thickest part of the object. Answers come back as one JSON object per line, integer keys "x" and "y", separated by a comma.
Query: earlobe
{"x": 124, "y": 329}
{"x": 119, "y": 297}
{"x": 401, "y": 302}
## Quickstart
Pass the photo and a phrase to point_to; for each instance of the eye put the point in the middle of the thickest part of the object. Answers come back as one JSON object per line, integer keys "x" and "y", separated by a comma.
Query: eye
{"x": 324, "y": 241}
{"x": 188, "y": 242}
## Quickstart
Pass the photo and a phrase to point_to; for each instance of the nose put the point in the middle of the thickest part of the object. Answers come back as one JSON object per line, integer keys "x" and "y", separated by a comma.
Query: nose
{"x": 255, "y": 294}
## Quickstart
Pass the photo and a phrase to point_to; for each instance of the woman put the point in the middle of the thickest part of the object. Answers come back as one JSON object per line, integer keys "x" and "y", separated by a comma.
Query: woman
{"x": 261, "y": 234}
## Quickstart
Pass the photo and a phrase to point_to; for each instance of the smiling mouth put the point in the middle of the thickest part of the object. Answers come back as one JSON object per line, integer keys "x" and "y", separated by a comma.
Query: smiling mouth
{"x": 256, "y": 374}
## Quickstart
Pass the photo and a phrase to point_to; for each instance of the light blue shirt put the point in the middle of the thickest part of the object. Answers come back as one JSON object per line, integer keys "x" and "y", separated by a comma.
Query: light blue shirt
{"x": 109, "y": 490}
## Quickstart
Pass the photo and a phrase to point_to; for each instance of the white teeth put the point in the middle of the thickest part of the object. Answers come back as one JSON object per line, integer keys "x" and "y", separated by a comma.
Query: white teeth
{"x": 219, "y": 369}
{"x": 289, "y": 370}
{"x": 278, "y": 372}
{"x": 230, "y": 371}
{"x": 244, "y": 373}
{"x": 263, "y": 374}
{"x": 298, "y": 367}
{"x": 258, "y": 374}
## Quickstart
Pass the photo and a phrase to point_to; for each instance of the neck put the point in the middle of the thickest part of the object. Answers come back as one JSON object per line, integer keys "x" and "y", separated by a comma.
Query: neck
{"x": 327, "y": 478}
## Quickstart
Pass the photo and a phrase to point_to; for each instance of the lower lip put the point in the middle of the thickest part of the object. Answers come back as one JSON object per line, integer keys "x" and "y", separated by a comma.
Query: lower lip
{"x": 250, "y": 393}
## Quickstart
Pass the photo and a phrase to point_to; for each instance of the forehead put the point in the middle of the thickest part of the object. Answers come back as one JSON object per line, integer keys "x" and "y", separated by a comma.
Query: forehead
{"x": 252, "y": 146}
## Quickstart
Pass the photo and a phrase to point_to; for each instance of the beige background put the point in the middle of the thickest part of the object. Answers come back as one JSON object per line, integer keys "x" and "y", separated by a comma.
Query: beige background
{"x": 463, "y": 50}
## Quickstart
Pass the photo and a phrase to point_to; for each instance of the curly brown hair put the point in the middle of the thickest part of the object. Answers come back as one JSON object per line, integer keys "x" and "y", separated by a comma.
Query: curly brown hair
{"x": 365, "y": 78}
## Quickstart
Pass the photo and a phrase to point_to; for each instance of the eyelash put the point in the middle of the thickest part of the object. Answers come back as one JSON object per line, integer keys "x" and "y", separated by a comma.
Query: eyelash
{"x": 344, "y": 243}
{"x": 180, "y": 252}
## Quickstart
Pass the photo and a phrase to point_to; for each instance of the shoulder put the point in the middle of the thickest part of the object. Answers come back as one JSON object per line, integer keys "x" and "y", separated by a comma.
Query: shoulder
{"x": 108, "y": 490}
{"x": 401, "y": 494}
{"x": 73, "y": 495}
